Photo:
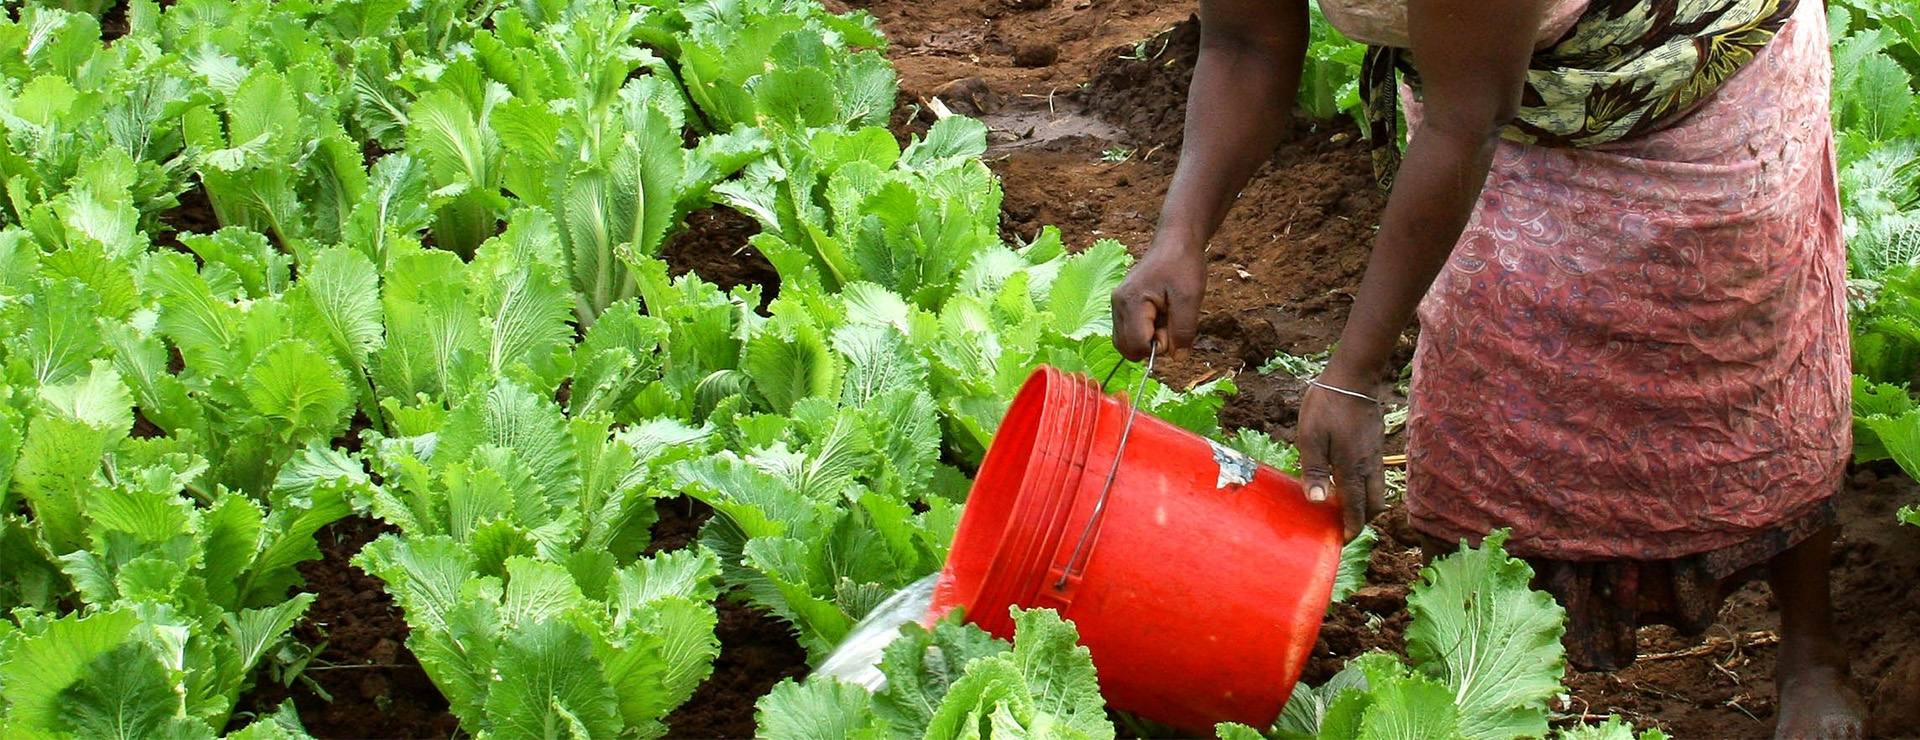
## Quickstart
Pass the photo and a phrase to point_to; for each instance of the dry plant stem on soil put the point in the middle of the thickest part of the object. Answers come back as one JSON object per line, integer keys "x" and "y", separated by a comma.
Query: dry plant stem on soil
{"x": 1716, "y": 644}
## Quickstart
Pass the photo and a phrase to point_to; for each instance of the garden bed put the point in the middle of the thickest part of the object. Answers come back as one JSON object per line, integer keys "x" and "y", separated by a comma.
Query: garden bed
{"x": 1095, "y": 159}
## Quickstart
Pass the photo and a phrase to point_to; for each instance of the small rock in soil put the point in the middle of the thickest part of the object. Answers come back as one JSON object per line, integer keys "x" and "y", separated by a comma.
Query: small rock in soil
{"x": 1397, "y": 526}
{"x": 1339, "y": 638}
{"x": 1381, "y": 600}
{"x": 1035, "y": 54}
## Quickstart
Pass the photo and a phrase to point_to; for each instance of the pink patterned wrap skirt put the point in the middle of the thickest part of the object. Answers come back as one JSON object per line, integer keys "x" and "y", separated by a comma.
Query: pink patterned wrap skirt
{"x": 1639, "y": 352}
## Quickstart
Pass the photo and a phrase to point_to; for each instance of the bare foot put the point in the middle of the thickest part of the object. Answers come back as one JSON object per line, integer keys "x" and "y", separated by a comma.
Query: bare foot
{"x": 1817, "y": 701}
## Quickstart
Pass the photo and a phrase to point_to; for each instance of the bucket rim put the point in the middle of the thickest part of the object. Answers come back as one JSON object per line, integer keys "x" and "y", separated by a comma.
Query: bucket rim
{"x": 993, "y": 505}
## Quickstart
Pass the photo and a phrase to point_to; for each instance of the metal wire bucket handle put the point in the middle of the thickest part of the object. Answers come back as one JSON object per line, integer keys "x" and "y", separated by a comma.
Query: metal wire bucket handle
{"x": 1100, "y": 505}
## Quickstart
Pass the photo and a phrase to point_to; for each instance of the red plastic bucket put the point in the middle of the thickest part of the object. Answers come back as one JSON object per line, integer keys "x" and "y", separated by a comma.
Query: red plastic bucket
{"x": 1199, "y": 587}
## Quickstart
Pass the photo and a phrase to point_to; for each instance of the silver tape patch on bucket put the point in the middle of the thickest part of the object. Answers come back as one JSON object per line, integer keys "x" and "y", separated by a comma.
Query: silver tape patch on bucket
{"x": 1236, "y": 469}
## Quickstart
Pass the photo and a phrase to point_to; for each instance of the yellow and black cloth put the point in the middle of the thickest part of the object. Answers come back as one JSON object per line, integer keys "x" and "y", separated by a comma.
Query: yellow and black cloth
{"x": 1626, "y": 68}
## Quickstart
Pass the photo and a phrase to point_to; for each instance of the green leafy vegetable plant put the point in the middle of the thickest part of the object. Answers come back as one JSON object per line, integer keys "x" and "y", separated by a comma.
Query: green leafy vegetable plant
{"x": 1483, "y": 661}
{"x": 955, "y": 682}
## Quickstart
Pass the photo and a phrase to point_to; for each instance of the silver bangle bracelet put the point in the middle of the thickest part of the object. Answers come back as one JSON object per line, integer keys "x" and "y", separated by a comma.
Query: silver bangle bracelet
{"x": 1342, "y": 391}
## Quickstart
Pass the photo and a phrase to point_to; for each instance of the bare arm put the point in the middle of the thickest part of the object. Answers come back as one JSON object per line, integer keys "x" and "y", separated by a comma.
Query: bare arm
{"x": 1238, "y": 105}
{"x": 1241, "y": 97}
{"x": 1472, "y": 56}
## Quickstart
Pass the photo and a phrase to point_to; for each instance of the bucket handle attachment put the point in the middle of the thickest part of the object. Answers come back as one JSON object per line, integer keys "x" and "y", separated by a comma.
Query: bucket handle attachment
{"x": 1068, "y": 573}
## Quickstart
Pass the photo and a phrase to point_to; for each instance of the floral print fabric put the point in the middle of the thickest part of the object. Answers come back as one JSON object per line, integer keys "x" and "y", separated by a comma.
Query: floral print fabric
{"x": 1631, "y": 66}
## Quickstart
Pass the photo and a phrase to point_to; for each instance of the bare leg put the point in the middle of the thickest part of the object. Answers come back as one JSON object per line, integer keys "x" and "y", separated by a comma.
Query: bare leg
{"x": 1817, "y": 700}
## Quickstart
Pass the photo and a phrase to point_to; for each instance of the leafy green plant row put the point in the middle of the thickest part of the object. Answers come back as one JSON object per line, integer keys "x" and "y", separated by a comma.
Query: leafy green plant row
{"x": 1876, "y": 113}
{"x": 165, "y": 416}
{"x": 514, "y": 396}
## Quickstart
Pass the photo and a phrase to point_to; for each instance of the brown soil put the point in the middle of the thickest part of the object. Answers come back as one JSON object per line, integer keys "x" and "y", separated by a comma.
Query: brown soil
{"x": 113, "y": 24}
{"x": 714, "y": 246}
{"x": 679, "y": 523}
{"x": 192, "y": 215}
{"x": 1729, "y": 693}
{"x": 376, "y": 687}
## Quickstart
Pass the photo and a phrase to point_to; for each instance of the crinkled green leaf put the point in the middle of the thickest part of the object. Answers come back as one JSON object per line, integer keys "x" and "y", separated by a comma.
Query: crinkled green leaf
{"x": 282, "y": 724}
{"x": 1045, "y": 684}
{"x": 436, "y": 341}
{"x": 516, "y": 279}
{"x": 1080, "y": 297}
{"x": 1613, "y": 728}
{"x": 1495, "y": 642}
{"x": 953, "y": 137}
{"x": 922, "y": 665}
{"x": 341, "y": 291}
{"x": 205, "y": 328}
{"x": 761, "y": 504}
{"x": 444, "y": 131}
{"x": 1900, "y": 436}
{"x": 455, "y": 629}
{"x": 126, "y": 694}
{"x": 12, "y": 433}
{"x": 866, "y": 89}
{"x": 511, "y": 417}
{"x": 39, "y": 666}
{"x": 657, "y": 657}
{"x": 801, "y": 589}
{"x": 108, "y": 279}
{"x": 394, "y": 207}
{"x": 449, "y": 134}
{"x": 619, "y": 355}
{"x": 54, "y": 334}
{"x": 254, "y": 631}
{"x": 1353, "y": 564}
{"x": 1265, "y": 449}
{"x": 878, "y": 360}
{"x": 60, "y": 459}
{"x": 300, "y": 388}
{"x": 538, "y": 592}
{"x": 687, "y": 574}
{"x": 261, "y": 269}
{"x": 818, "y": 709}
{"x": 551, "y": 685}
{"x": 1409, "y": 706}
{"x": 315, "y": 498}
{"x": 791, "y": 363}
{"x": 162, "y": 397}
{"x": 148, "y": 514}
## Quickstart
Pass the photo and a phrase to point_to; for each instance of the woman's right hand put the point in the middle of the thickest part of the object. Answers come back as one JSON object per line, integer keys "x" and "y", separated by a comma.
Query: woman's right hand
{"x": 1159, "y": 302}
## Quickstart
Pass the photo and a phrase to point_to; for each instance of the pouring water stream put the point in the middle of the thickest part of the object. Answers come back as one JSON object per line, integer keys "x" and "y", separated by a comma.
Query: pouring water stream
{"x": 856, "y": 659}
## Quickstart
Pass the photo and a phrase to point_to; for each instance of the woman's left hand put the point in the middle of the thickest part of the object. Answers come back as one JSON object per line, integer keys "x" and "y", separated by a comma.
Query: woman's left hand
{"x": 1340, "y": 438}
